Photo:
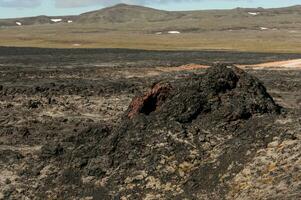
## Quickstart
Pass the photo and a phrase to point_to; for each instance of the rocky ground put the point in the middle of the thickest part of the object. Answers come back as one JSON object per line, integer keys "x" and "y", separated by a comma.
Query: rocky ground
{"x": 72, "y": 129}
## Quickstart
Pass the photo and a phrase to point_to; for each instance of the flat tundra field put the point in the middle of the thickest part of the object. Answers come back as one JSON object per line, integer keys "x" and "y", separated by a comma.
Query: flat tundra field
{"x": 277, "y": 41}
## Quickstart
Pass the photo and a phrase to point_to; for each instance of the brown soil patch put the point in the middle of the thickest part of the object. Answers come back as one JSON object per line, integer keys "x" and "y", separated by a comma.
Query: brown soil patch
{"x": 287, "y": 64}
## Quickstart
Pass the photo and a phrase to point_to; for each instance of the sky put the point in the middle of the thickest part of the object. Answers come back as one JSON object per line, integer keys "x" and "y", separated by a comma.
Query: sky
{"x": 24, "y": 8}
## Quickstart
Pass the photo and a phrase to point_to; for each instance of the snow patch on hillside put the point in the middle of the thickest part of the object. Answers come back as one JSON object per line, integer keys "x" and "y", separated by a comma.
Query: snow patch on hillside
{"x": 253, "y": 13}
{"x": 174, "y": 32}
{"x": 263, "y": 28}
{"x": 56, "y": 20}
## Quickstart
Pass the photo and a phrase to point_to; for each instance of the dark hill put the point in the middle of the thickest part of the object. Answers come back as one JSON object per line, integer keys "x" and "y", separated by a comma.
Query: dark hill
{"x": 180, "y": 140}
{"x": 139, "y": 17}
{"x": 125, "y": 13}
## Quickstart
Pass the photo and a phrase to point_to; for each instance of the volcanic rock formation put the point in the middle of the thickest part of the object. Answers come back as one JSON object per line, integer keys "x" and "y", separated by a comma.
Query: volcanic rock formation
{"x": 185, "y": 138}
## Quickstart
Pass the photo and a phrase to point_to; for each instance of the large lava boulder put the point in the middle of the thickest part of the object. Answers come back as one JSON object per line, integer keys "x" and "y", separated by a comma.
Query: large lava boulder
{"x": 182, "y": 139}
{"x": 179, "y": 138}
{"x": 227, "y": 92}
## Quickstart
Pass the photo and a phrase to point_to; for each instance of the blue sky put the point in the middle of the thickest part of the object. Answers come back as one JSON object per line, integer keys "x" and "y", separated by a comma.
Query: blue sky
{"x": 22, "y": 8}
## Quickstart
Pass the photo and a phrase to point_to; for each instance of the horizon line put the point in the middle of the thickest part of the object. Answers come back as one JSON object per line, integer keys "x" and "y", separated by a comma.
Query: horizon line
{"x": 128, "y": 4}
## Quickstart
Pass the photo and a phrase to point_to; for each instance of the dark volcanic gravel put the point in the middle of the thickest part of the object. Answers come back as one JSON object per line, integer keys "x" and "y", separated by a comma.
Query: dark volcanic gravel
{"x": 75, "y": 130}
{"x": 128, "y": 57}
{"x": 164, "y": 147}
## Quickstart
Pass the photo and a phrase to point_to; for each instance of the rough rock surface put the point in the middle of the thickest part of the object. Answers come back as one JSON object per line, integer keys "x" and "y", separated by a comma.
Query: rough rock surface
{"x": 183, "y": 136}
{"x": 274, "y": 171}
{"x": 192, "y": 137}
{"x": 225, "y": 92}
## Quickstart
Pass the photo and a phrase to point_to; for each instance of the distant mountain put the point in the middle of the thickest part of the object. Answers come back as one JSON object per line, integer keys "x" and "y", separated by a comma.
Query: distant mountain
{"x": 37, "y": 20}
{"x": 139, "y": 16}
{"x": 122, "y": 13}
{"x": 123, "y": 18}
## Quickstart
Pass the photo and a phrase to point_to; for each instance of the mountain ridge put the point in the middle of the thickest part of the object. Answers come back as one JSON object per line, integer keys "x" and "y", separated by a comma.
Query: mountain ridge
{"x": 120, "y": 13}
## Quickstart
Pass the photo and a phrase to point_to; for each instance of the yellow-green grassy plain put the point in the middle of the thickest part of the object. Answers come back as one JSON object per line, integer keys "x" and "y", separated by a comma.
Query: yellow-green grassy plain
{"x": 69, "y": 36}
